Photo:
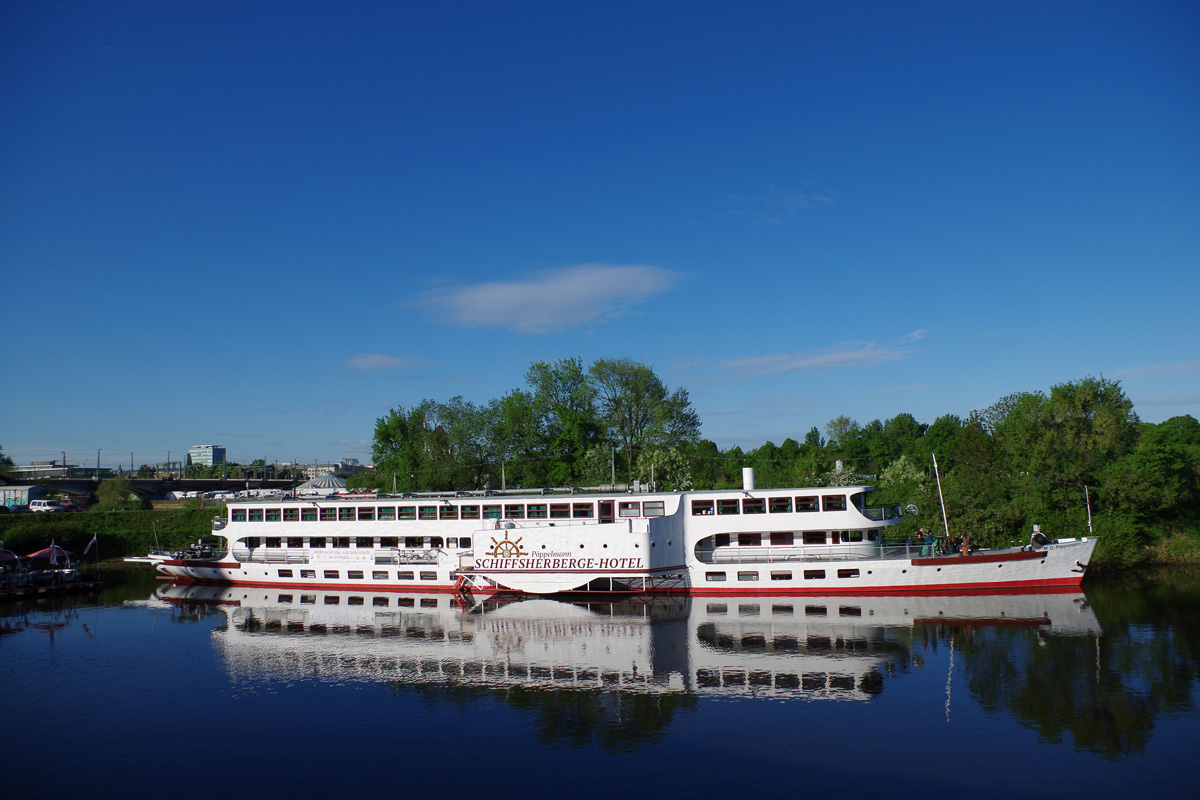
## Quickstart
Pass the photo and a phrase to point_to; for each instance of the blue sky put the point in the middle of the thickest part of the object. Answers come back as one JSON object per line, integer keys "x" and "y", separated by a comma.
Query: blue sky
{"x": 264, "y": 224}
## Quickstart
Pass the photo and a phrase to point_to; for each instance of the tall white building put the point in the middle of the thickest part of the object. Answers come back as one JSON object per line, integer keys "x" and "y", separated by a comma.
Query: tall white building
{"x": 207, "y": 454}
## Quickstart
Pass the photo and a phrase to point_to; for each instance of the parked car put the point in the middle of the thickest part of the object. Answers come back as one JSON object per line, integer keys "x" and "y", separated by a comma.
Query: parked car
{"x": 70, "y": 506}
{"x": 45, "y": 506}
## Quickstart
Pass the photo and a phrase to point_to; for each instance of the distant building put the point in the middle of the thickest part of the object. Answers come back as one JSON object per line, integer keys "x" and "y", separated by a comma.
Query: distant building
{"x": 349, "y": 466}
{"x": 206, "y": 454}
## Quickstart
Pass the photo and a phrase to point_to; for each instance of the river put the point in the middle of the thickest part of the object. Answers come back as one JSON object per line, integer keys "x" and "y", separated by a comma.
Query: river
{"x": 154, "y": 690}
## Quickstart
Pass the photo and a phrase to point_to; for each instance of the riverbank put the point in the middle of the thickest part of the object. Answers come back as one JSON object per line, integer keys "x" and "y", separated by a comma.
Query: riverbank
{"x": 119, "y": 533}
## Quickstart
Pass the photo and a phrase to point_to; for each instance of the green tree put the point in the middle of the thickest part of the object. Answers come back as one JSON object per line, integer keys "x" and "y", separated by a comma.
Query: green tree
{"x": 639, "y": 410}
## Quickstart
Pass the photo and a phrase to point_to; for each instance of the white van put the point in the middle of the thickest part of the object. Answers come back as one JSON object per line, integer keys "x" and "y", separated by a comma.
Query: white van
{"x": 46, "y": 505}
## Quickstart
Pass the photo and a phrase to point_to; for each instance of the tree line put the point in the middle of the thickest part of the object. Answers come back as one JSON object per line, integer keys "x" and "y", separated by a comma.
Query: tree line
{"x": 1074, "y": 460}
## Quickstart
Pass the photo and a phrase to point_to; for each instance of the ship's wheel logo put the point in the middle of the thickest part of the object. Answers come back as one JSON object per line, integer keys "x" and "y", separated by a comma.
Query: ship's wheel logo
{"x": 505, "y": 548}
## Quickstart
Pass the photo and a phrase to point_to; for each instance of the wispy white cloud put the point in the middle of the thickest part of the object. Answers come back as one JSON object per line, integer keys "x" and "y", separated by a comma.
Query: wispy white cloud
{"x": 1185, "y": 368}
{"x": 378, "y": 361}
{"x": 920, "y": 387}
{"x": 1177, "y": 400}
{"x": 775, "y": 205}
{"x": 915, "y": 336}
{"x": 554, "y": 300}
{"x": 848, "y": 354}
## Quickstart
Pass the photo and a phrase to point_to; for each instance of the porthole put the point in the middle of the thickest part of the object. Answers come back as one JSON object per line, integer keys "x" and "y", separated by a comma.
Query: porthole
{"x": 654, "y": 544}
{"x": 580, "y": 547}
{"x": 605, "y": 546}
{"x": 903, "y": 571}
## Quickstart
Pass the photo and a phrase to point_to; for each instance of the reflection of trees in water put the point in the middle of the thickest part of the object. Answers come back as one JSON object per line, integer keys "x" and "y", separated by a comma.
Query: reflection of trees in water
{"x": 611, "y": 719}
{"x": 1106, "y": 691}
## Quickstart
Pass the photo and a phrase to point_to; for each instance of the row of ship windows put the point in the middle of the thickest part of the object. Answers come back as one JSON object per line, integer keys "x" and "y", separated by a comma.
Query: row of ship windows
{"x": 785, "y": 538}
{"x": 779, "y": 575}
{"x": 764, "y": 505}
{"x": 360, "y": 542}
{"x": 358, "y": 575}
{"x": 354, "y": 600}
{"x": 783, "y": 610}
{"x": 623, "y": 509}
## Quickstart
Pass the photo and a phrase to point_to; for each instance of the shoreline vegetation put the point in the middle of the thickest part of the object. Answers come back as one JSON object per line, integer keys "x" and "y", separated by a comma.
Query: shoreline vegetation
{"x": 1074, "y": 461}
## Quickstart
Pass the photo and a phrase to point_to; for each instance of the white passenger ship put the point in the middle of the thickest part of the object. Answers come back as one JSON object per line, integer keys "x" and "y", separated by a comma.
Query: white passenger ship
{"x": 739, "y": 542}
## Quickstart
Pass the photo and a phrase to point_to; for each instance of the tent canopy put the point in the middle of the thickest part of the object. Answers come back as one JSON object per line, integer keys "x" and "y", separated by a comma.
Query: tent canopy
{"x": 324, "y": 485}
{"x": 53, "y": 551}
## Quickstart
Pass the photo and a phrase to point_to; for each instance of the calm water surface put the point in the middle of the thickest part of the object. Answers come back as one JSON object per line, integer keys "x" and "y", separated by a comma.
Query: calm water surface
{"x": 153, "y": 690}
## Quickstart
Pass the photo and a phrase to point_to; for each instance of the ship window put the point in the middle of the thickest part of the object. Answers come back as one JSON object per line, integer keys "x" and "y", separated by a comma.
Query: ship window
{"x": 389, "y": 541}
{"x": 814, "y": 574}
{"x": 781, "y": 575}
{"x": 729, "y": 506}
{"x": 387, "y": 513}
{"x": 428, "y": 512}
{"x": 435, "y": 541}
{"x": 332, "y": 573}
{"x": 364, "y": 541}
{"x": 714, "y": 576}
{"x": 274, "y": 541}
{"x": 407, "y": 512}
{"x": 448, "y": 512}
{"x": 291, "y": 515}
{"x": 782, "y": 610}
{"x": 414, "y": 541}
{"x": 379, "y": 575}
{"x": 702, "y": 508}
{"x": 782, "y": 538}
{"x": 295, "y": 541}
{"x": 852, "y": 536}
{"x": 560, "y": 511}
{"x": 814, "y": 537}
{"x": 253, "y": 542}
{"x": 284, "y": 598}
{"x": 380, "y": 601}
{"x": 807, "y": 504}
{"x": 354, "y": 601}
{"x": 285, "y": 573}
{"x": 355, "y": 574}
{"x": 256, "y": 515}
{"x": 491, "y": 512}
{"x": 238, "y": 515}
{"x": 405, "y": 602}
{"x": 366, "y": 513}
{"x": 452, "y": 542}
{"x": 404, "y": 576}
{"x": 428, "y": 576}
{"x": 274, "y": 514}
{"x": 629, "y": 509}
{"x": 815, "y": 611}
{"x": 470, "y": 512}
{"x": 346, "y": 514}
{"x": 464, "y": 541}
{"x": 872, "y": 536}
{"x": 754, "y": 505}
{"x": 748, "y": 576}
{"x": 749, "y": 539}
{"x": 537, "y": 510}
{"x": 428, "y": 602}
{"x": 780, "y": 505}
{"x": 721, "y": 540}
{"x": 514, "y": 511}
{"x": 834, "y": 502}
{"x": 849, "y": 611}
{"x": 583, "y": 510}
{"x": 328, "y": 515}
{"x": 606, "y": 510}
{"x": 340, "y": 541}
{"x": 847, "y": 573}
{"x": 308, "y": 573}
{"x": 654, "y": 508}
{"x": 718, "y": 608}
{"x": 332, "y": 600}
{"x": 308, "y": 599}
{"x": 308, "y": 515}
{"x": 316, "y": 541}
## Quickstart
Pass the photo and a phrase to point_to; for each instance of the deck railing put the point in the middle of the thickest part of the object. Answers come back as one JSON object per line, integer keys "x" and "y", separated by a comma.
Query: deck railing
{"x": 882, "y": 513}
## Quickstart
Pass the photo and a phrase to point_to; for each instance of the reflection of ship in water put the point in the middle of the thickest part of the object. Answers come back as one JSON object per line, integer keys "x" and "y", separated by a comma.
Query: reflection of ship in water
{"x": 791, "y": 647}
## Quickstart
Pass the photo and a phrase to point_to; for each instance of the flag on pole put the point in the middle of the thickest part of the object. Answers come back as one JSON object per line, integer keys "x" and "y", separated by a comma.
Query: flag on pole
{"x": 53, "y": 554}
{"x": 92, "y": 542}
